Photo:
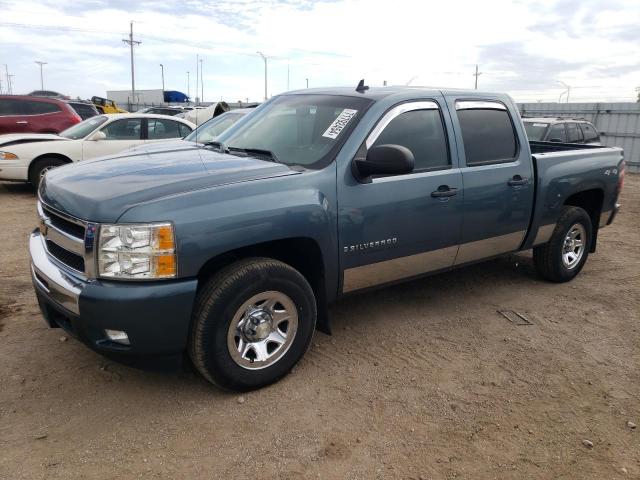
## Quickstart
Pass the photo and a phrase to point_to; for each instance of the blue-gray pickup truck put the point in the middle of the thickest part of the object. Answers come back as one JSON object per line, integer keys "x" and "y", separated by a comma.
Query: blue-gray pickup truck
{"x": 229, "y": 252}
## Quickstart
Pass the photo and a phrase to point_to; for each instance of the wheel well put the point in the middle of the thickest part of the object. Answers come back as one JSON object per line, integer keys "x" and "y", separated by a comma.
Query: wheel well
{"x": 591, "y": 201}
{"x": 301, "y": 253}
{"x": 47, "y": 155}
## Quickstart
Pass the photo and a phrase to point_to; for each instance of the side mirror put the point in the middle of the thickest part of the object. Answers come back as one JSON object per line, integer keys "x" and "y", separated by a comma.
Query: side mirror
{"x": 384, "y": 160}
{"x": 99, "y": 135}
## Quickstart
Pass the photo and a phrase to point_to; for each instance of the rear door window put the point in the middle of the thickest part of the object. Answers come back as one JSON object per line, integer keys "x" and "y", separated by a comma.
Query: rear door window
{"x": 40, "y": 108}
{"x": 162, "y": 129}
{"x": 557, "y": 133}
{"x": 487, "y": 132}
{"x": 590, "y": 133}
{"x": 574, "y": 134}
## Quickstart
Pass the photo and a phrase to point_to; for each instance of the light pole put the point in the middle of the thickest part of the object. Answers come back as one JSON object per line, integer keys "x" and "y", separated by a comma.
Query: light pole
{"x": 264, "y": 57}
{"x": 201, "y": 82}
{"x": 307, "y": 80}
{"x": 188, "y": 86}
{"x": 162, "y": 70}
{"x": 197, "y": 77}
{"x": 288, "y": 60}
{"x": 41, "y": 76}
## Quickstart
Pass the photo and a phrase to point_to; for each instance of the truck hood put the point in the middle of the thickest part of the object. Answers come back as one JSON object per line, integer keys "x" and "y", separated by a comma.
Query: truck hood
{"x": 20, "y": 138}
{"x": 102, "y": 189}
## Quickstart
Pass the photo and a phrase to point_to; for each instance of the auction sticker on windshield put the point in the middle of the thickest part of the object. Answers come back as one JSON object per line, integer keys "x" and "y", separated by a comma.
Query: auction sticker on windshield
{"x": 339, "y": 123}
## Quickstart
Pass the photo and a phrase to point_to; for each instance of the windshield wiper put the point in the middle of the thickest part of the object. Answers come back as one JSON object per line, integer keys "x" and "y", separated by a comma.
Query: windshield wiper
{"x": 217, "y": 145}
{"x": 255, "y": 152}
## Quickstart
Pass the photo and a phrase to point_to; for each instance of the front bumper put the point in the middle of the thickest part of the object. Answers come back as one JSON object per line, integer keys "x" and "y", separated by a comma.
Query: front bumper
{"x": 13, "y": 172}
{"x": 155, "y": 315}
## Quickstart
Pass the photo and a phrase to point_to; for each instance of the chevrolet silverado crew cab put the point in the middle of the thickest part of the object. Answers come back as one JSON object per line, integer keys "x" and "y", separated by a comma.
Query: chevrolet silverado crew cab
{"x": 230, "y": 251}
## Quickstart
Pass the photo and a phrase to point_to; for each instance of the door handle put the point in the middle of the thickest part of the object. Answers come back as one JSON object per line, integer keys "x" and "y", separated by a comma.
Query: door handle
{"x": 22, "y": 122}
{"x": 444, "y": 191}
{"x": 517, "y": 181}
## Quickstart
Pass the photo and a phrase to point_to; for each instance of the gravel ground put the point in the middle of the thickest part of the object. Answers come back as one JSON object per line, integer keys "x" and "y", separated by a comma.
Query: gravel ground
{"x": 420, "y": 381}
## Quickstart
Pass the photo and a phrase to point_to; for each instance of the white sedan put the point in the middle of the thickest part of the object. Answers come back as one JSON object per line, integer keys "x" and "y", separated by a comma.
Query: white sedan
{"x": 26, "y": 157}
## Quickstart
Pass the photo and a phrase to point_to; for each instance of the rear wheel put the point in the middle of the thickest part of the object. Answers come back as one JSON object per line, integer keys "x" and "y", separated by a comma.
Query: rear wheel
{"x": 252, "y": 322}
{"x": 41, "y": 167}
{"x": 563, "y": 257}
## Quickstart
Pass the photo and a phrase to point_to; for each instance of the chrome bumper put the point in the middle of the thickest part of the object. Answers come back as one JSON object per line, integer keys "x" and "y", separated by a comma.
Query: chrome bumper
{"x": 60, "y": 286}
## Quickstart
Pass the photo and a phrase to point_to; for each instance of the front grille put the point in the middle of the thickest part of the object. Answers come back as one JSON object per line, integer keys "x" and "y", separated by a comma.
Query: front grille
{"x": 64, "y": 225}
{"x": 68, "y": 258}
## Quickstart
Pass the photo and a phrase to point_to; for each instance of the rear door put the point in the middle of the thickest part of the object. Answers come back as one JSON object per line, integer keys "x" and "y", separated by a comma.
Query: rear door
{"x": 401, "y": 226}
{"x": 498, "y": 178}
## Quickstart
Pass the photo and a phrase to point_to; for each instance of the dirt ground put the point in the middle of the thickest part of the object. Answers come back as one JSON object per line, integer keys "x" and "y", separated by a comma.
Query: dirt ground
{"x": 420, "y": 381}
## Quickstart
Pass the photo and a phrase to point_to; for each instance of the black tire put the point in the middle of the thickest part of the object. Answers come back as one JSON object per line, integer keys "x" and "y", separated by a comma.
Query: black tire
{"x": 40, "y": 166}
{"x": 221, "y": 299}
{"x": 548, "y": 258}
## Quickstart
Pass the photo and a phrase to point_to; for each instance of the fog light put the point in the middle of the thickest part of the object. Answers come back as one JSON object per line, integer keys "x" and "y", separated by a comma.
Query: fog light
{"x": 118, "y": 336}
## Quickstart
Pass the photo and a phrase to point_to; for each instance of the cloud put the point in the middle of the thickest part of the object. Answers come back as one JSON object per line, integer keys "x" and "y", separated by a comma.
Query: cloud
{"x": 522, "y": 46}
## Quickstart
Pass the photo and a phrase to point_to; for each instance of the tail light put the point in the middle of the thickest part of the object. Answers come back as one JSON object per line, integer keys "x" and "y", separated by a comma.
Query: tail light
{"x": 621, "y": 177}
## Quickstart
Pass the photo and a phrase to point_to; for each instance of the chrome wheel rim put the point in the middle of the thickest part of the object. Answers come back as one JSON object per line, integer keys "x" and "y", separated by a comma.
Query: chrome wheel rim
{"x": 262, "y": 330}
{"x": 574, "y": 246}
{"x": 44, "y": 171}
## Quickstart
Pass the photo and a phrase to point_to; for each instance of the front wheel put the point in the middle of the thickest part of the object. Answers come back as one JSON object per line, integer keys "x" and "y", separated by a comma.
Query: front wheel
{"x": 39, "y": 169}
{"x": 564, "y": 255}
{"x": 252, "y": 322}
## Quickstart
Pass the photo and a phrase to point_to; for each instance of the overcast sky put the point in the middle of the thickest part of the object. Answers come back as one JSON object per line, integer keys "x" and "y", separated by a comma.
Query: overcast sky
{"x": 524, "y": 47}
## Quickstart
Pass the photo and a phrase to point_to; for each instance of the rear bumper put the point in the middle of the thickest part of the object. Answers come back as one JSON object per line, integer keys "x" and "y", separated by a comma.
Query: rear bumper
{"x": 155, "y": 315}
{"x": 614, "y": 212}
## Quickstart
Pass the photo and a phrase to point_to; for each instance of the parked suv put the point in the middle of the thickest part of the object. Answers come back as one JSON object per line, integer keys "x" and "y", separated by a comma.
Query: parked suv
{"x": 28, "y": 114}
{"x": 563, "y": 130}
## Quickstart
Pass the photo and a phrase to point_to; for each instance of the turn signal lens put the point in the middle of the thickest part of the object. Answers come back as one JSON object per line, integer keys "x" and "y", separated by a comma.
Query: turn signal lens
{"x": 8, "y": 156}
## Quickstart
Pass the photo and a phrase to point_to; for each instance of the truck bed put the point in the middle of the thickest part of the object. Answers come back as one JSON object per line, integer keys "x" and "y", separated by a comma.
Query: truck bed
{"x": 549, "y": 147}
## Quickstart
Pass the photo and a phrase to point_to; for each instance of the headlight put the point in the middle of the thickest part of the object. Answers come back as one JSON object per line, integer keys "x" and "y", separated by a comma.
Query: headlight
{"x": 8, "y": 156}
{"x": 137, "y": 251}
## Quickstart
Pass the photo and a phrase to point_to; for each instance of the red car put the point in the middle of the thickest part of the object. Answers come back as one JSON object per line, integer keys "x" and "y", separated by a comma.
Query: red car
{"x": 27, "y": 114}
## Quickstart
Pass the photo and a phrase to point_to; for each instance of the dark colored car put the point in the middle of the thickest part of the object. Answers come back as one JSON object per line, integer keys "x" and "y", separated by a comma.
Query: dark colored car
{"x": 84, "y": 109}
{"x": 562, "y": 130}
{"x": 27, "y": 114}
{"x": 48, "y": 93}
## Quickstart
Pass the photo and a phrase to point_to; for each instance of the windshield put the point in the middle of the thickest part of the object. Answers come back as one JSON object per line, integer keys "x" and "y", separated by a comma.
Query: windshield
{"x": 303, "y": 130}
{"x": 535, "y": 131}
{"x": 208, "y": 131}
{"x": 83, "y": 129}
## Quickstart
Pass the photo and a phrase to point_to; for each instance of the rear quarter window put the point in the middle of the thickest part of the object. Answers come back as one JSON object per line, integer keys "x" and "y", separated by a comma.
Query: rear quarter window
{"x": 488, "y": 135}
{"x": 39, "y": 108}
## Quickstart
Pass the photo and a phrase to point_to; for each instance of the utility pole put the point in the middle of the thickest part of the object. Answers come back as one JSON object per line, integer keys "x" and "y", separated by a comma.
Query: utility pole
{"x": 201, "y": 82}
{"x": 638, "y": 90}
{"x": 287, "y": 74}
{"x": 6, "y": 72}
{"x": 477, "y": 74}
{"x": 307, "y": 82}
{"x": 131, "y": 42}
{"x": 568, "y": 91}
{"x": 10, "y": 84}
{"x": 41, "y": 76}
{"x": 162, "y": 70}
{"x": 188, "y": 86}
{"x": 265, "y": 73}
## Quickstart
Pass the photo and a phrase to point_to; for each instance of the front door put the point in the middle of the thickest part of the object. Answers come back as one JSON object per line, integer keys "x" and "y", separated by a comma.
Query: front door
{"x": 401, "y": 226}
{"x": 119, "y": 135}
{"x": 498, "y": 179}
